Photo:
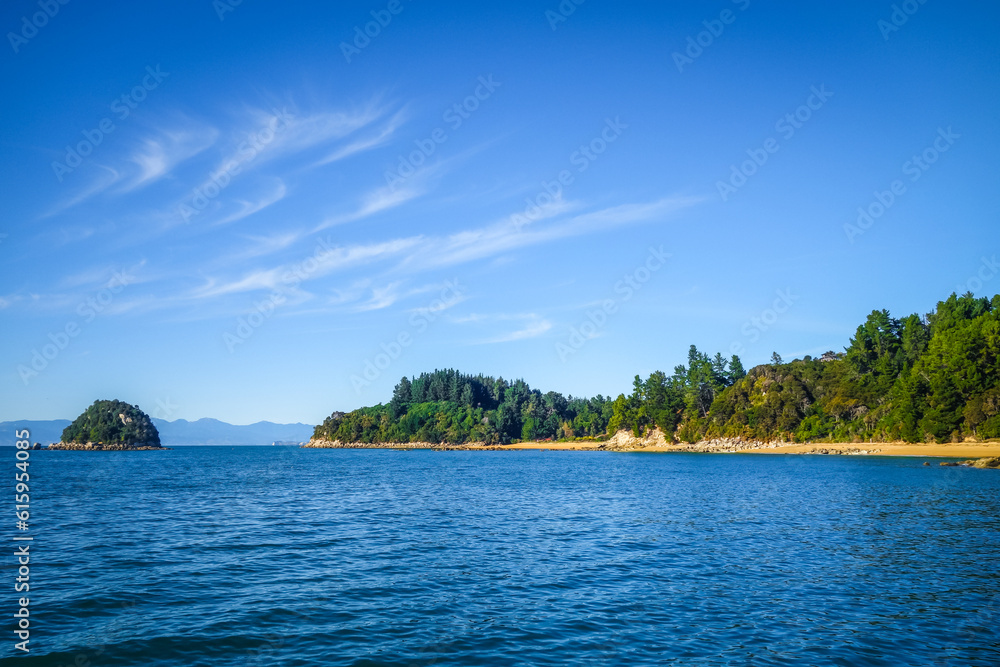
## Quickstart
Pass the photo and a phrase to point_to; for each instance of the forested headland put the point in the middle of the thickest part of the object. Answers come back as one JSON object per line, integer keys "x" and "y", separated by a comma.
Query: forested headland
{"x": 922, "y": 378}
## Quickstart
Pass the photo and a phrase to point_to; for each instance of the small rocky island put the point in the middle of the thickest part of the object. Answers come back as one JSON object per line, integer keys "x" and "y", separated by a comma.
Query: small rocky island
{"x": 110, "y": 426}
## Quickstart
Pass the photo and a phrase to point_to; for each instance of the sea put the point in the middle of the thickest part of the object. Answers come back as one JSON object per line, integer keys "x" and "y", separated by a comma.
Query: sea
{"x": 287, "y": 556}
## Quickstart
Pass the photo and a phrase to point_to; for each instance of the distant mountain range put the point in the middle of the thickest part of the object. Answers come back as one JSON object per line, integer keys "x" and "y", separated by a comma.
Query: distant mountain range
{"x": 178, "y": 432}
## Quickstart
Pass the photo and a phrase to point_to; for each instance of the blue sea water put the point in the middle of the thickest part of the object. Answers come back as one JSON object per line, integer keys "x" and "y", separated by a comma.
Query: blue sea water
{"x": 286, "y": 556}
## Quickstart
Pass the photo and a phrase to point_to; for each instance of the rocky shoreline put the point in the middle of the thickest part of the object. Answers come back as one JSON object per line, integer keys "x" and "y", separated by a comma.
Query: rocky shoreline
{"x": 337, "y": 444}
{"x": 104, "y": 447}
{"x": 629, "y": 443}
{"x": 623, "y": 441}
{"x": 436, "y": 446}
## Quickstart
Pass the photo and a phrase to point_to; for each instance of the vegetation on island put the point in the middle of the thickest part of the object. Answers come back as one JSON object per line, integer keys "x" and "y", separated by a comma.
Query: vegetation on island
{"x": 112, "y": 423}
{"x": 925, "y": 378}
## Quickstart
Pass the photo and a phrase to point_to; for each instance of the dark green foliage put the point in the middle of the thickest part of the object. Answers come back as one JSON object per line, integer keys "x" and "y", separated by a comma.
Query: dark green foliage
{"x": 112, "y": 422}
{"x": 736, "y": 371}
{"x": 917, "y": 379}
{"x": 449, "y": 407}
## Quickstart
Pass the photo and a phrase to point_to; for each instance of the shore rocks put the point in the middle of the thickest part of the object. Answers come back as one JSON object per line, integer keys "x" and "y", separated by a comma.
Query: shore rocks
{"x": 104, "y": 447}
{"x": 622, "y": 441}
{"x": 337, "y": 444}
{"x": 625, "y": 441}
{"x": 729, "y": 445}
{"x": 988, "y": 462}
{"x": 855, "y": 451}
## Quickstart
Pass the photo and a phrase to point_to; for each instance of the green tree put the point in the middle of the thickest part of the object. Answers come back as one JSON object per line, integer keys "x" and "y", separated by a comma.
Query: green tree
{"x": 736, "y": 371}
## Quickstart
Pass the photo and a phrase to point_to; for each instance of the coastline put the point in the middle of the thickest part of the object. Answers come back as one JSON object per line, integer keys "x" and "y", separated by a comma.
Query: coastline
{"x": 657, "y": 444}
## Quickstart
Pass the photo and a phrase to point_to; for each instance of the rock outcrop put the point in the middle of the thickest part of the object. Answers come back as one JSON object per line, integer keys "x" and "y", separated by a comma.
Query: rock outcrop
{"x": 106, "y": 447}
{"x": 626, "y": 441}
{"x": 988, "y": 462}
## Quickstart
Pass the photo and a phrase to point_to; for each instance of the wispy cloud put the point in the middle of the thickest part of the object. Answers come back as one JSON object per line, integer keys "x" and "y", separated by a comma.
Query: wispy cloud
{"x": 266, "y": 134}
{"x": 263, "y": 279}
{"x": 418, "y": 253}
{"x": 150, "y": 159}
{"x": 100, "y": 276}
{"x": 531, "y": 330}
{"x": 248, "y": 208}
{"x": 68, "y": 293}
{"x": 381, "y": 297}
{"x": 366, "y": 143}
{"x": 533, "y": 325}
{"x": 378, "y": 200}
{"x": 106, "y": 177}
{"x": 390, "y": 196}
{"x": 390, "y": 262}
{"x": 157, "y": 156}
{"x": 311, "y": 129}
{"x": 261, "y": 246}
{"x": 324, "y": 263}
{"x": 504, "y": 236}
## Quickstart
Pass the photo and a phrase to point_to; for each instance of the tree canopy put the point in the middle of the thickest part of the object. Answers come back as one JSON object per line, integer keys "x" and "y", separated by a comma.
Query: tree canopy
{"x": 112, "y": 422}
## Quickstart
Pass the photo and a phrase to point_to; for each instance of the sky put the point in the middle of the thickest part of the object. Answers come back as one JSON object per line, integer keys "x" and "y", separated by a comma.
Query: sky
{"x": 270, "y": 211}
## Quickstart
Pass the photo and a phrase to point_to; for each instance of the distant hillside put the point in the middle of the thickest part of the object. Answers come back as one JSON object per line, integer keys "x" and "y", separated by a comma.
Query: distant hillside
{"x": 179, "y": 432}
{"x": 43, "y": 431}
{"x": 215, "y": 432}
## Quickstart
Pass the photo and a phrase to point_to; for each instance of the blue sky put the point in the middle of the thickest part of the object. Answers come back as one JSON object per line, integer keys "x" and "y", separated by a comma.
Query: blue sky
{"x": 268, "y": 224}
